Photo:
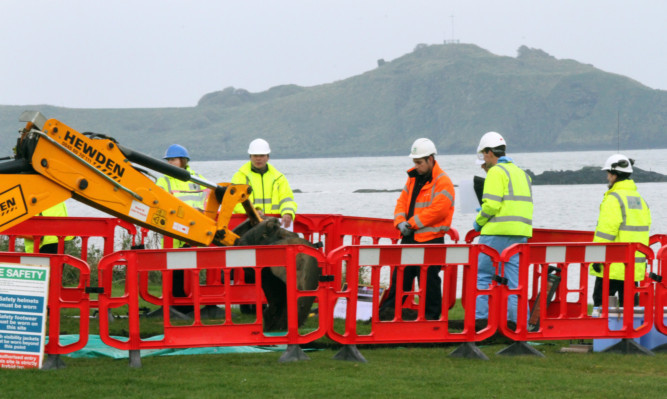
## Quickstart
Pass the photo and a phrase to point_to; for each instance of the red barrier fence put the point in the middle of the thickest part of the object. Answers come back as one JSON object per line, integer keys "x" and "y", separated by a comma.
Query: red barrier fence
{"x": 661, "y": 291}
{"x": 567, "y": 318}
{"x": 203, "y": 259}
{"x": 212, "y": 279}
{"x": 452, "y": 258}
{"x": 60, "y": 297}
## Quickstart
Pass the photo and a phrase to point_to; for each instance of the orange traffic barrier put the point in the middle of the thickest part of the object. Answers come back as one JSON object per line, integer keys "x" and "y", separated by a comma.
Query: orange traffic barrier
{"x": 661, "y": 290}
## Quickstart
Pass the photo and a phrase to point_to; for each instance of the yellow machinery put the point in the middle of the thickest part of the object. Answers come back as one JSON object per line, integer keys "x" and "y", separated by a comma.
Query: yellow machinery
{"x": 54, "y": 162}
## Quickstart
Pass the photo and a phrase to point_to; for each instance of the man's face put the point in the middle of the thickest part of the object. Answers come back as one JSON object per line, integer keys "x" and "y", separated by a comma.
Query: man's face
{"x": 611, "y": 179}
{"x": 178, "y": 162}
{"x": 259, "y": 161}
{"x": 490, "y": 159}
{"x": 423, "y": 165}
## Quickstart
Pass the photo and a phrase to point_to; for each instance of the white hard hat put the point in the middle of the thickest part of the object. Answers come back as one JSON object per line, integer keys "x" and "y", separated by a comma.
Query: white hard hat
{"x": 422, "y": 148}
{"x": 490, "y": 140}
{"x": 619, "y": 163}
{"x": 259, "y": 147}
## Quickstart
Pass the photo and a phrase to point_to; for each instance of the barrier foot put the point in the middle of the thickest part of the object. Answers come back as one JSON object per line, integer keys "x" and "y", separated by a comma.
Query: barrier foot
{"x": 53, "y": 362}
{"x": 293, "y": 353}
{"x": 661, "y": 348}
{"x": 628, "y": 346}
{"x": 469, "y": 350}
{"x": 350, "y": 353}
{"x": 135, "y": 358}
{"x": 520, "y": 348}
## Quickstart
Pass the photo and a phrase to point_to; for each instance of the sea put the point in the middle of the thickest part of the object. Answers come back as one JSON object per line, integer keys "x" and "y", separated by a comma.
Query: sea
{"x": 329, "y": 185}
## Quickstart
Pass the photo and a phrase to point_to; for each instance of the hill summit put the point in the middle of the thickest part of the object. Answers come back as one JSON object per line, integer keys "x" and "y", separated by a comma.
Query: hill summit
{"x": 451, "y": 93}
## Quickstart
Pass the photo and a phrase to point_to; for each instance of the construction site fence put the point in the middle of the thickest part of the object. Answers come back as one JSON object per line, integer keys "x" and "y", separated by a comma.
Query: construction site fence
{"x": 546, "y": 311}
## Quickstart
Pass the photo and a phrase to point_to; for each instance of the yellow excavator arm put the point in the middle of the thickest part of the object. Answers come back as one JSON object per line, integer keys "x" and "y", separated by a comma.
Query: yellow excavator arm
{"x": 54, "y": 162}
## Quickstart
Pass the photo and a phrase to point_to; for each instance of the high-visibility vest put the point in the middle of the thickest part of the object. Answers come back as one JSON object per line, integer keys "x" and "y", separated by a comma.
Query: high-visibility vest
{"x": 507, "y": 202}
{"x": 624, "y": 217}
{"x": 56, "y": 210}
{"x": 434, "y": 205}
{"x": 190, "y": 193}
{"x": 271, "y": 192}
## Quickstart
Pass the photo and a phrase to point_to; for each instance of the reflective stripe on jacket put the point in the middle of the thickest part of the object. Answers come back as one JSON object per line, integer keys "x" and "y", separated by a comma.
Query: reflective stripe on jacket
{"x": 56, "y": 210}
{"x": 624, "y": 217}
{"x": 271, "y": 192}
{"x": 507, "y": 202}
{"x": 434, "y": 206}
{"x": 190, "y": 193}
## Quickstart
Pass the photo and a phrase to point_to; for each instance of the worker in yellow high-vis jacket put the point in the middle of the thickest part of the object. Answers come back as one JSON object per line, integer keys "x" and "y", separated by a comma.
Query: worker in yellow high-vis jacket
{"x": 505, "y": 218}
{"x": 624, "y": 217}
{"x": 271, "y": 192}
{"x": 188, "y": 192}
{"x": 48, "y": 244}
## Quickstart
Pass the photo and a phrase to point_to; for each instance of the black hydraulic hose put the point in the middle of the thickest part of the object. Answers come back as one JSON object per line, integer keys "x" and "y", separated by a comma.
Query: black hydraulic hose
{"x": 16, "y": 166}
{"x": 155, "y": 164}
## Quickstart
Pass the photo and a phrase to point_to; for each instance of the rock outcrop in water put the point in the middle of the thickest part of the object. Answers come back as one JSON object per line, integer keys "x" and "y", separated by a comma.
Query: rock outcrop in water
{"x": 591, "y": 175}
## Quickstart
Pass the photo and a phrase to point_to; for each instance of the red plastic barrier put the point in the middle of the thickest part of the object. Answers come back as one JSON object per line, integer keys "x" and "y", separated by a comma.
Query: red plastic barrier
{"x": 661, "y": 291}
{"x": 83, "y": 227}
{"x": 547, "y": 235}
{"x": 565, "y": 319}
{"x": 452, "y": 258}
{"x": 60, "y": 297}
{"x": 222, "y": 259}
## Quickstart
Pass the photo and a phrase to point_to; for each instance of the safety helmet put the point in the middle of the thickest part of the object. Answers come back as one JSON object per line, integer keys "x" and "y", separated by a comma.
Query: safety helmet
{"x": 176, "y": 151}
{"x": 490, "y": 140}
{"x": 259, "y": 147}
{"x": 619, "y": 163}
{"x": 422, "y": 148}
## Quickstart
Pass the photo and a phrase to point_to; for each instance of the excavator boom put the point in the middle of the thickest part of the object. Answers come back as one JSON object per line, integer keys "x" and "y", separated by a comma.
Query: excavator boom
{"x": 54, "y": 162}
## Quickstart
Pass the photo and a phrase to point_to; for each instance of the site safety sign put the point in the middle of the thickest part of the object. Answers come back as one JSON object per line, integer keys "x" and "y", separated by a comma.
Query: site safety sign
{"x": 23, "y": 304}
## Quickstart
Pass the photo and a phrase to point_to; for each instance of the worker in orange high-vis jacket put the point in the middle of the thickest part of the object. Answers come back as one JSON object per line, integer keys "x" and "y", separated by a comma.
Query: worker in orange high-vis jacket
{"x": 423, "y": 214}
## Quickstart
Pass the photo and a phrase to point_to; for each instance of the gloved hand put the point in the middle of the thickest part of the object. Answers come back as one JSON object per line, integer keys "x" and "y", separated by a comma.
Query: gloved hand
{"x": 476, "y": 226}
{"x": 220, "y": 192}
{"x": 597, "y": 267}
{"x": 405, "y": 229}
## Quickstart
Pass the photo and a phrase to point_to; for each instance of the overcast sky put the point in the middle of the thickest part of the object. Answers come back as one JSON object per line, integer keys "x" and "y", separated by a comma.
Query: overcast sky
{"x": 161, "y": 53}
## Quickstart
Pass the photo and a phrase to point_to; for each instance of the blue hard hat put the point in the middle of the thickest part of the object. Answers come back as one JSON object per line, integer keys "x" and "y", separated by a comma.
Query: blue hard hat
{"x": 176, "y": 151}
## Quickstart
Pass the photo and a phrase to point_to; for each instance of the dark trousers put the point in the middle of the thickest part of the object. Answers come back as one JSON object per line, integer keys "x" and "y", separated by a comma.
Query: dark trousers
{"x": 433, "y": 283}
{"x": 615, "y": 287}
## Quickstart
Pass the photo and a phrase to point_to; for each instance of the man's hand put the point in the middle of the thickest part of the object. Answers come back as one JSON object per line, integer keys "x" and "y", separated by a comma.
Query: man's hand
{"x": 405, "y": 228}
{"x": 476, "y": 226}
{"x": 286, "y": 220}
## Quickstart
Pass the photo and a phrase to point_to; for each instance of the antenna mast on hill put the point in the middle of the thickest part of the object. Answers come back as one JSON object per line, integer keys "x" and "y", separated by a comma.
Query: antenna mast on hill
{"x": 452, "y": 40}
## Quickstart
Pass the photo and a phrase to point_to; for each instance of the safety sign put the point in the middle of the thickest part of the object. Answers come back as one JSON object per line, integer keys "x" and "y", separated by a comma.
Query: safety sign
{"x": 23, "y": 303}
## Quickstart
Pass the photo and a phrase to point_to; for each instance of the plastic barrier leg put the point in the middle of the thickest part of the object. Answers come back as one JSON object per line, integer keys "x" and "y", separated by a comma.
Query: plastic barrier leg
{"x": 660, "y": 349}
{"x": 135, "y": 358}
{"x": 350, "y": 353}
{"x": 53, "y": 362}
{"x": 293, "y": 353}
{"x": 469, "y": 350}
{"x": 628, "y": 346}
{"x": 520, "y": 348}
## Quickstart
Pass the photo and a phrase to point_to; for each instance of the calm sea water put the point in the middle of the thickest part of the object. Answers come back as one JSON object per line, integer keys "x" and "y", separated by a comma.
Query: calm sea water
{"x": 327, "y": 185}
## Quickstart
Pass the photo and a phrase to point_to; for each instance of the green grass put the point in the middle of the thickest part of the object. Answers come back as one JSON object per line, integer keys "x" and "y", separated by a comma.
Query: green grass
{"x": 398, "y": 372}
{"x": 392, "y": 371}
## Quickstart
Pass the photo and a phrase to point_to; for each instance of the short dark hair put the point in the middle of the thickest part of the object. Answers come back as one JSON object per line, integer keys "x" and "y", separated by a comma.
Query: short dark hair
{"x": 497, "y": 151}
{"x": 621, "y": 175}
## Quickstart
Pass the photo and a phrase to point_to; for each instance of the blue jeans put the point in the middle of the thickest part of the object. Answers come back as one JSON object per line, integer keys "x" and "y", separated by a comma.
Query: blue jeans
{"x": 486, "y": 271}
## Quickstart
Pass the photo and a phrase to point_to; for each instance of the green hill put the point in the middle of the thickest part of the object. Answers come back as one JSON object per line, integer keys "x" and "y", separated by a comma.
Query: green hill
{"x": 451, "y": 93}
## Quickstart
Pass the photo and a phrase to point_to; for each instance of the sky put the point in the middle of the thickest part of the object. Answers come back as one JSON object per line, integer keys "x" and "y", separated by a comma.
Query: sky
{"x": 169, "y": 53}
